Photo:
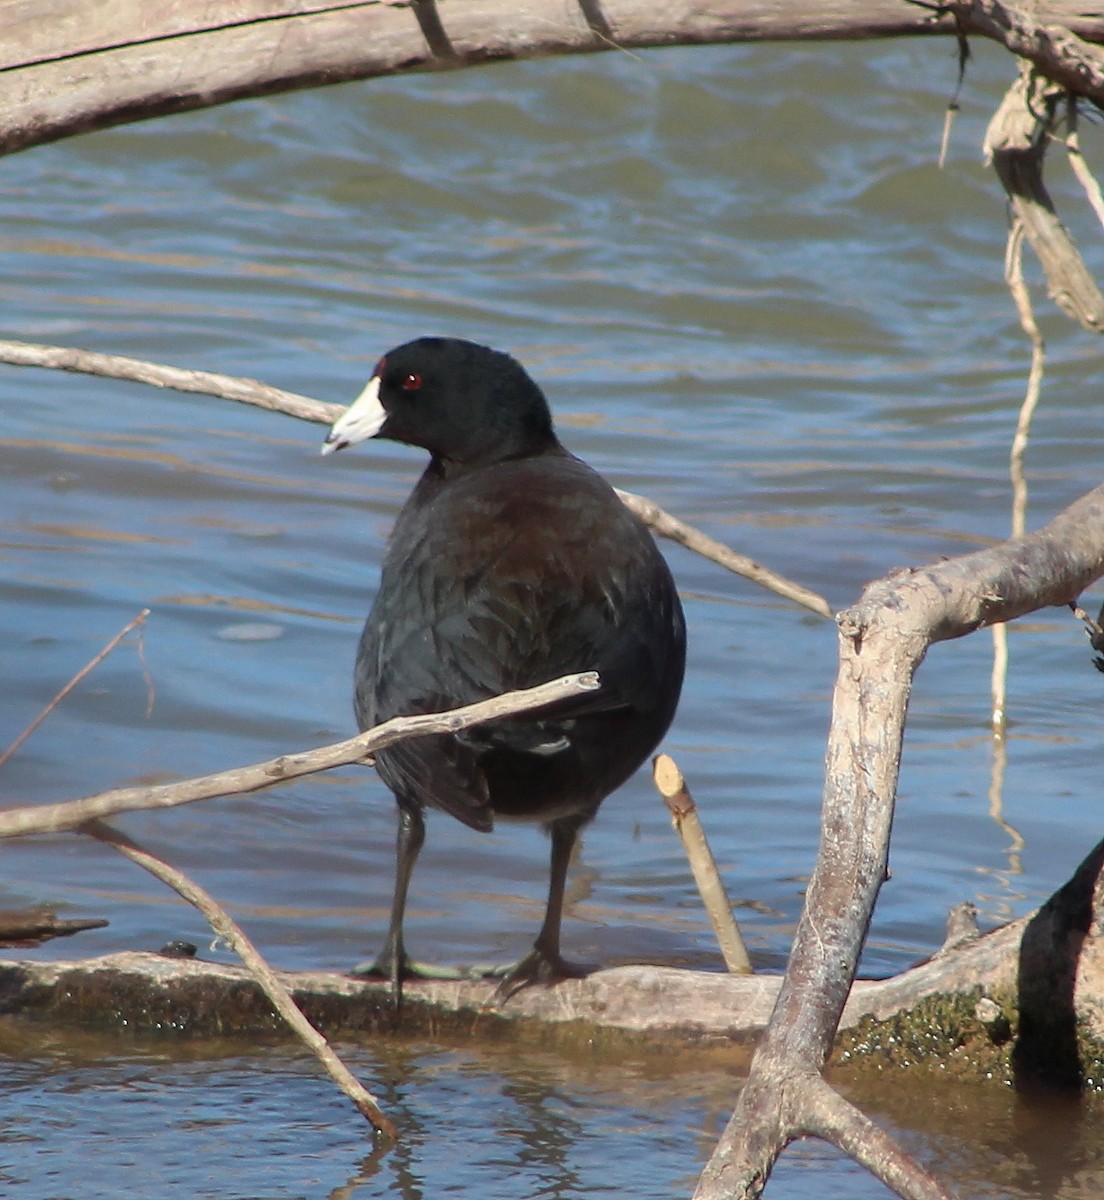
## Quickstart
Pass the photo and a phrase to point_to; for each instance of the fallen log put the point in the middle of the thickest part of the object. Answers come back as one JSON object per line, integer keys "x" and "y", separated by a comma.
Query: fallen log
{"x": 74, "y": 66}
{"x": 155, "y": 992}
{"x": 1025, "y": 1001}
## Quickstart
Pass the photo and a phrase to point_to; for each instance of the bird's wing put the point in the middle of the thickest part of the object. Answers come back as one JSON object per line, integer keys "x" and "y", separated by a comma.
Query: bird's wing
{"x": 559, "y": 596}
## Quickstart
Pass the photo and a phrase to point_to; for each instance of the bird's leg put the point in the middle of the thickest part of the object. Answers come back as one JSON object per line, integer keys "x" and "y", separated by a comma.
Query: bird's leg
{"x": 393, "y": 962}
{"x": 543, "y": 964}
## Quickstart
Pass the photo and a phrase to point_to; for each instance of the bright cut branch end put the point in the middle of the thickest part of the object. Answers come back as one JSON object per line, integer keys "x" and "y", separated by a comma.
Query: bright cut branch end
{"x": 684, "y": 816}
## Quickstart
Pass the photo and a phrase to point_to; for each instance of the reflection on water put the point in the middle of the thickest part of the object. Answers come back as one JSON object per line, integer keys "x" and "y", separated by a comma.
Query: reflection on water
{"x": 752, "y": 296}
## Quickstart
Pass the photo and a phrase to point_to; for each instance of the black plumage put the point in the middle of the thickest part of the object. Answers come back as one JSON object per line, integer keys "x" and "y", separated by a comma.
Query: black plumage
{"x": 512, "y": 563}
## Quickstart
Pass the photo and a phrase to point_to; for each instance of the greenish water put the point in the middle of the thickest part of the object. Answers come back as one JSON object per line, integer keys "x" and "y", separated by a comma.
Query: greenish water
{"x": 751, "y": 294}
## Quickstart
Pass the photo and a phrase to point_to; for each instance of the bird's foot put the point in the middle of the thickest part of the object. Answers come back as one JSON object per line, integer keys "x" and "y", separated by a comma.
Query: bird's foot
{"x": 398, "y": 968}
{"x": 538, "y": 966}
{"x": 382, "y": 968}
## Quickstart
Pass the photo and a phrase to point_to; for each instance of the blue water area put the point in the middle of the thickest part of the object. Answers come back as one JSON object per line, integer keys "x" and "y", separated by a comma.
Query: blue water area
{"x": 752, "y": 294}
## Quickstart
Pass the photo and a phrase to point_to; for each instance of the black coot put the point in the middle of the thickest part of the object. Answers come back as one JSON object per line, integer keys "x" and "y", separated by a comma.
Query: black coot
{"x": 511, "y": 563}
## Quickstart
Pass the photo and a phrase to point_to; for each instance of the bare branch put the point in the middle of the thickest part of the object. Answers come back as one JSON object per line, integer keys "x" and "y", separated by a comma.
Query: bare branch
{"x": 1077, "y": 161}
{"x": 831, "y": 1117}
{"x": 672, "y": 787}
{"x": 179, "y": 379}
{"x": 1017, "y": 141}
{"x": 250, "y": 391}
{"x": 69, "y": 68}
{"x": 883, "y": 640}
{"x": 224, "y": 925}
{"x": 71, "y": 814}
{"x": 665, "y": 525}
{"x": 32, "y": 926}
{"x": 1053, "y": 47}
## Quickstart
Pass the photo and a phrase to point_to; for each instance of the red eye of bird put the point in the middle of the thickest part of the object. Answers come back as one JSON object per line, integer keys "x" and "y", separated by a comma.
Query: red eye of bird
{"x": 411, "y": 382}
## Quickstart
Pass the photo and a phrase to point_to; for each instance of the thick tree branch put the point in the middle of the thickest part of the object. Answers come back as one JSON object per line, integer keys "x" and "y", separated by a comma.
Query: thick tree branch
{"x": 79, "y": 65}
{"x": 883, "y": 640}
{"x": 1041, "y": 35}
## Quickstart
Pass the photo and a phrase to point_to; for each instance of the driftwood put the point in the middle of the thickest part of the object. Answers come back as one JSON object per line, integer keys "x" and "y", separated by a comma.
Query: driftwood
{"x": 158, "y": 991}
{"x": 68, "y": 68}
{"x": 883, "y": 640}
{"x": 1021, "y": 1002}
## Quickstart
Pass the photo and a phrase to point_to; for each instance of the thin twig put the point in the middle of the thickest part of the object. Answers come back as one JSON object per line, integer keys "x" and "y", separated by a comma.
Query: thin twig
{"x": 952, "y": 105}
{"x": 667, "y": 526}
{"x": 138, "y": 620}
{"x": 227, "y": 929}
{"x": 1013, "y": 274}
{"x": 1014, "y": 277}
{"x": 672, "y": 787}
{"x": 70, "y": 814}
{"x": 1077, "y": 161}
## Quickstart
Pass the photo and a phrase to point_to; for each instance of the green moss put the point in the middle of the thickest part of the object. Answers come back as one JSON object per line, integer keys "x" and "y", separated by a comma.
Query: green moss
{"x": 979, "y": 1036}
{"x": 943, "y": 1032}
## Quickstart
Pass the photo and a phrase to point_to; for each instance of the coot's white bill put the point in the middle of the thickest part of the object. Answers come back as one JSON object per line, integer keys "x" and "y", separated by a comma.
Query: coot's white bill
{"x": 363, "y": 419}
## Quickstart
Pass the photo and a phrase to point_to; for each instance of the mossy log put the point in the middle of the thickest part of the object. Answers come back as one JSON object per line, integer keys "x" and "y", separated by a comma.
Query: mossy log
{"x": 1026, "y": 999}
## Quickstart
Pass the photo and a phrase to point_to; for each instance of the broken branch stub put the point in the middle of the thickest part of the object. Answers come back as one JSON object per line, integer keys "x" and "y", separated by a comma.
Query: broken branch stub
{"x": 1016, "y": 142}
